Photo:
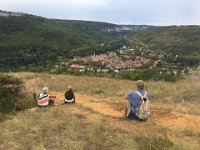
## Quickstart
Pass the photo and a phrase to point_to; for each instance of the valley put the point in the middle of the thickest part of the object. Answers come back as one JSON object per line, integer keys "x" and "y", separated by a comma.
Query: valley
{"x": 54, "y": 43}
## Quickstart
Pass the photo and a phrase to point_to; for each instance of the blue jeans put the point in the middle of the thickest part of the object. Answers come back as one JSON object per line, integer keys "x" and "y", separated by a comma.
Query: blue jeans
{"x": 132, "y": 116}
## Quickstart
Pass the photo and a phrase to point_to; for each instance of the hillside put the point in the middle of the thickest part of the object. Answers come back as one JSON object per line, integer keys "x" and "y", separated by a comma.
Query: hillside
{"x": 27, "y": 40}
{"x": 179, "y": 40}
{"x": 34, "y": 43}
{"x": 94, "y": 121}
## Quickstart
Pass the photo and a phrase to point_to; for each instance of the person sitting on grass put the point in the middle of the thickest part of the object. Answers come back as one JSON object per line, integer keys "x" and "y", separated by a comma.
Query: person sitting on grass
{"x": 44, "y": 98}
{"x": 132, "y": 101}
{"x": 69, "y": 96}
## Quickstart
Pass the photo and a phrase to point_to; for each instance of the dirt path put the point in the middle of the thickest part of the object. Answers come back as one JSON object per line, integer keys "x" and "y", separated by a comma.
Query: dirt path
{"x": 177, "y": 121}
{"x": 90, "y": 102}
{"x": 171, "y": 120}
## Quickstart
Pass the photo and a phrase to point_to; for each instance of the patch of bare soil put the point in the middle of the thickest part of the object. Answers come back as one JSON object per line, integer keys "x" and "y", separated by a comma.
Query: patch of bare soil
{"x": 172, "y": 120}
{"x": 177, "y": 121}
{"x": 89, "y": 101}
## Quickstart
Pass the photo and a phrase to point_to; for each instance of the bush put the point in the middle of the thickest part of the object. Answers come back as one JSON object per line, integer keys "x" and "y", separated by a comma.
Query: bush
{"x": 149, "y": 74}
{"x": 7, "y": 79}
{"x": 4, "y": 92}
{"x": 11, "y": 97}
{"x": 11, "y": 105}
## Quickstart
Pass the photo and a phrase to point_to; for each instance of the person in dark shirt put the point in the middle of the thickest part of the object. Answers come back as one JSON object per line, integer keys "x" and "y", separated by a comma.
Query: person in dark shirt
{"x": 69, "y": 96}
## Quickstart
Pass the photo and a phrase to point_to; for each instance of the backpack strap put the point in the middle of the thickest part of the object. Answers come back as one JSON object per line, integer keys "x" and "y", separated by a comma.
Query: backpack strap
{"x": 139, "y": 94}
{"x": 141, "y": 97}
{"x": 145, "y": 94}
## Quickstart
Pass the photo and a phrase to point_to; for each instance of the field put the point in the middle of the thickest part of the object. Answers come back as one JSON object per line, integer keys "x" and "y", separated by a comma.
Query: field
{"x": 95, "y": 122}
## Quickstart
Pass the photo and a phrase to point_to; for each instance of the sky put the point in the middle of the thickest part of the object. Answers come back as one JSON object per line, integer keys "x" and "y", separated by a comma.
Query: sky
{"x": 149, "y": 12}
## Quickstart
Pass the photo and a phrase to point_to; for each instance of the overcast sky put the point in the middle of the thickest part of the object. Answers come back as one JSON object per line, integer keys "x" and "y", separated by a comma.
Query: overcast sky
{"x": 152, "y": 12}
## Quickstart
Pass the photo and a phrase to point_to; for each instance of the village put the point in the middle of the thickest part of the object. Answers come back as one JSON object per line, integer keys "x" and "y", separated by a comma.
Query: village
{"x": 109, "y": 61}
{"x": 125, "y": 59}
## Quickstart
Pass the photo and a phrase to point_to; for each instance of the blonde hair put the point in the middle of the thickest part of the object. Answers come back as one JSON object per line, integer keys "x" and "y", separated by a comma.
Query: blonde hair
{"x": 69, "y": 87}
{"x": 140, "y": 84}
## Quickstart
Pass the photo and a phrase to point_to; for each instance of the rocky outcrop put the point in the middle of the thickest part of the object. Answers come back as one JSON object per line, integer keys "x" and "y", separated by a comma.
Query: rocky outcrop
{"x": 8, "y": 14}
{"x": 127, "y": 28}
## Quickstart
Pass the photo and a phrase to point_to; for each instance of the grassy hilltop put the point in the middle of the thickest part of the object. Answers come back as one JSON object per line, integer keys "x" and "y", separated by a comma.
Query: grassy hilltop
{"x": 94, "y": 121}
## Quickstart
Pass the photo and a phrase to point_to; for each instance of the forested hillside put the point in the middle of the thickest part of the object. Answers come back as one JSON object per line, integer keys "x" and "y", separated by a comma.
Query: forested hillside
{"x": 30, "y": 42}
{"x": 180, "y": 40}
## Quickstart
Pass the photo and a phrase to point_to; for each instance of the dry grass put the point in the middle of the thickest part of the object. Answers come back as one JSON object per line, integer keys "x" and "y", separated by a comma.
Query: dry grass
{"x": 78, "y": 127}
{"x": 185, "y": 94}
{"x": 186, "y": 90}
{"x": 47, "y": 129}
{"x": 58, "y": 128}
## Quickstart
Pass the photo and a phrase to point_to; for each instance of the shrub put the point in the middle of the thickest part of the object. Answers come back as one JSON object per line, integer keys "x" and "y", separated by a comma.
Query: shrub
{"x": 149, "y": 74}
{"x": 11, "y": 97}
{"x": 7, "y": 79}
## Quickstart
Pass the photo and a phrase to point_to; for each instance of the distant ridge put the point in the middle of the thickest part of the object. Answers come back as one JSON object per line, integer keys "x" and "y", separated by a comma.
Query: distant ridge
{"x": 111, "y": 28}
{"x": 8, "y": 14}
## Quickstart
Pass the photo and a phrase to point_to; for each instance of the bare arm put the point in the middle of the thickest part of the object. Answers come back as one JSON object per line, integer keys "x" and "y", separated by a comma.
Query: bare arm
{"x": 125, "y": 105}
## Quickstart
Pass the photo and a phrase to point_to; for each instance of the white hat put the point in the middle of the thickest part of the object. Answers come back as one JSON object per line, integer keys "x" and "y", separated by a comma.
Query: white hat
{"x": 45, "y": 89}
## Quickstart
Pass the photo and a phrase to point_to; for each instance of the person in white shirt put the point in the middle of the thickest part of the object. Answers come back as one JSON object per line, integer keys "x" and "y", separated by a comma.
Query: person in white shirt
{"x": 44, "y": 99}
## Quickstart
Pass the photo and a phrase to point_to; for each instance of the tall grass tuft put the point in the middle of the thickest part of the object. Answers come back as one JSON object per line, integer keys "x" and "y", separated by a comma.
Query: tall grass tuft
{"x": 153, "y": 143}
